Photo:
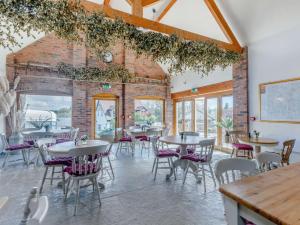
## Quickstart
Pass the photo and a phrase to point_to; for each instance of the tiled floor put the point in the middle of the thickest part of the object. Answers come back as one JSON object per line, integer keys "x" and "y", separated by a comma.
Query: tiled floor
{"x": 132, "y": 198}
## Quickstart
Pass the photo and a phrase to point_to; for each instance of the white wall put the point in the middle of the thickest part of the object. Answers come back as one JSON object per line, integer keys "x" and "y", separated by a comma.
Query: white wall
{"x": 191, "y": 79}
{"x": 274, "y": 58}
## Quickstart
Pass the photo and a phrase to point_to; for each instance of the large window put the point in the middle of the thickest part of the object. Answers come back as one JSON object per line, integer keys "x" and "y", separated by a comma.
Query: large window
{"x": 227, "y": 112}
{"x": 44, "y": 111}
{"x": 149, "y": 112}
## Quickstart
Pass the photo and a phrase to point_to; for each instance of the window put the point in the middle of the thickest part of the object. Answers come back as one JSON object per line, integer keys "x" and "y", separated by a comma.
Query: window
{"x": 149, "y": 112}
{"x": 227, "y": 111}
{"x": 200, "y": 116}
{"x": 44, "y": 111}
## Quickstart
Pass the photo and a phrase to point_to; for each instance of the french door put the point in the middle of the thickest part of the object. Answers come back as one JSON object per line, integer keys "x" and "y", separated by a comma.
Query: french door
{"x": 105, "y": 116}
{"x": 184, "y": 116}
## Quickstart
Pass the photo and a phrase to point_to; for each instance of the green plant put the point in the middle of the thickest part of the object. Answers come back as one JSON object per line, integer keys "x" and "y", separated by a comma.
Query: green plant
{"x": 226, "y": 123}
{"x": 70, "y": 21}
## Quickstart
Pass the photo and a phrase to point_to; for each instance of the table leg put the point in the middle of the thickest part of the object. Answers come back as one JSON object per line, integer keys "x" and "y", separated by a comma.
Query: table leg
{"x": 257, "y": 149}
{"x": 232, "y": 211}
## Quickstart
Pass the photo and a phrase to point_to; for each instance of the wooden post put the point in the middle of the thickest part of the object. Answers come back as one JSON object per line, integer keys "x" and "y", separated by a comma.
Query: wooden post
{"x": 137, "y": 8}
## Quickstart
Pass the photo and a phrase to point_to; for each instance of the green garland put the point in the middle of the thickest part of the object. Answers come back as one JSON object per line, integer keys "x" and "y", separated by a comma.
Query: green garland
{"x": 113, "y": 73}
{"x": 69, "y": 20}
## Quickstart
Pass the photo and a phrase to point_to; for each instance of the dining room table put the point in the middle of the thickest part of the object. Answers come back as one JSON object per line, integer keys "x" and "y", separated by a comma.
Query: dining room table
{"x": 183, "y": 142}
{"x": 259, "y": 142}
{"x": 65, "y": 149}
{"x": 268, "y": 198}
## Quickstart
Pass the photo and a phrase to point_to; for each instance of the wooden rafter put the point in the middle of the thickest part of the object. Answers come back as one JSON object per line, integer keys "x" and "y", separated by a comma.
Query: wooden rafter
{"x": 164, "y": 10}
{"x": 222, "y": 22}
{"x": 137, "y": 8}
{"x": 155, "y": 26}
{"x": 148, "y": 2}
{"x": 106, "y": 2}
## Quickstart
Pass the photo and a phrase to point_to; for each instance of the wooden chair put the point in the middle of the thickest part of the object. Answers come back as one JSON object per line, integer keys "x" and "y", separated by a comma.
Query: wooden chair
{"x": 124, "y": 142}
{"x": 107, "y": 153}
{"x": 268, "y": 161}
{"x": 202, "y": 157}
{"x": 36, "y": 208}
{"x": 239, "y": 149}
{"x": 286, "y": 151}
{"x": 232, "y": 169}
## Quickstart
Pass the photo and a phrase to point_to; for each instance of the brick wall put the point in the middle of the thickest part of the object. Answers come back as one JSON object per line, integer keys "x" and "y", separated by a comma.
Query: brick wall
{"x": 240, "y": 93}
{"x": 35, "y": 64}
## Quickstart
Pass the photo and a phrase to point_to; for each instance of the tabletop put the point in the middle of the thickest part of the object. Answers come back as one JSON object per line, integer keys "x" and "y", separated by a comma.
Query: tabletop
{"x": 273, "y": 194}
{"x": 176, "y": 140}
{"x": 260, "y": 141}
{"x": 65, "y": 147}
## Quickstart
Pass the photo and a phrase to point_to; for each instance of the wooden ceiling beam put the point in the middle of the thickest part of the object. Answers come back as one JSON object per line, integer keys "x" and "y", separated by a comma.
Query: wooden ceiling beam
{"x": 137, "y": 8}
{"x": 106, "y": 2}
{"x": 155, "y": 26}
{"x": 146, "y": 3}
{"x": 212, "y": 6}
{"x": 165, "y": 9}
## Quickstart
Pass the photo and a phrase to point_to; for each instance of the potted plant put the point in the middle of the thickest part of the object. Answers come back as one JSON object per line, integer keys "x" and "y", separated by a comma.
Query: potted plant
{"x": 84, "y": 139}
{"x": 227, "y": 124}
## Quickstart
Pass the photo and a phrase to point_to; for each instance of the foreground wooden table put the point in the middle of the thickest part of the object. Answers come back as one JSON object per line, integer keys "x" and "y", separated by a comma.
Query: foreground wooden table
{"x": 269, "y": 198}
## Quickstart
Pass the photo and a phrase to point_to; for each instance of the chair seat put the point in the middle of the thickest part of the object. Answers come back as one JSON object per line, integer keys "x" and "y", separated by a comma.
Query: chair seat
{"x": 195, "y": 157}
{"x": 243, "y": 147}
{"x": 17, "y": 147}
{"x": 85, "y": 170}
{"x": 125, "y": 139}
{"x": 167, "y": 153}
{"x": 189, "y": 150}
{"x": 66, "y": 161}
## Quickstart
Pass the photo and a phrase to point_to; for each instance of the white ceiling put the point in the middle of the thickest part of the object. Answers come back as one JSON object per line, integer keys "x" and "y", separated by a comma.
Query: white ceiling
{"x": 251, "y": 20}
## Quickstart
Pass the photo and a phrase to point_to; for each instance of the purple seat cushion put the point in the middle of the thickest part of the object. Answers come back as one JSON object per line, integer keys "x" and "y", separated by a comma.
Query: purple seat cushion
{"x": 189, "y": 150}
{"x": 242, "y": 147}
{"x": 66, "y": 161}
{"x": 195, "y": 157}
{"x": 167, "y": 153}
{"x": 91, "y": 168}
{"x": 30, "y": 142}
{"x": 141, "y": 137}
{"x": 125, "y": 139}
{"x": 18, "y": 147}
{"x": 62, "y": 140}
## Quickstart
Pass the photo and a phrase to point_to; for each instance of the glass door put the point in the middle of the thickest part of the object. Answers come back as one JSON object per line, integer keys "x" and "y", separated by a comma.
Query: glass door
{"x": 200, "y": 116}
{"x": 179, "y": 117}
{"x": 227, "y": 113}
{"x": 188, "y": 119}
{"x": 105, "y": 117}
{"x": 212, "y": 118}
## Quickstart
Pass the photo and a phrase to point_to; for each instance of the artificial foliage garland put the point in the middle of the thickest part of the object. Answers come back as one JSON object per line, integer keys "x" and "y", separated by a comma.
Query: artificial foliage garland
{"x": 70, "y": 21}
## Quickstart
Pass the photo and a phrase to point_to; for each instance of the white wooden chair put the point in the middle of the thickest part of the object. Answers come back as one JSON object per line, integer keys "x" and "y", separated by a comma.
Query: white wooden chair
{"x": 202, "y": 158}
{"x": 74, "y": 133}
{"x": 86, "y": 165}
{"x": 230, "y": 170}
{"x": 268, "y": 161}
{"x": 36, "y": 208}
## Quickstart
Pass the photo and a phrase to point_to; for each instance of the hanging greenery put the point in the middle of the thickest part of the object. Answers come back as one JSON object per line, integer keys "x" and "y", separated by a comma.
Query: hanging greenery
{"x": 70, "y": 21}
{"x": 113, "y": 73}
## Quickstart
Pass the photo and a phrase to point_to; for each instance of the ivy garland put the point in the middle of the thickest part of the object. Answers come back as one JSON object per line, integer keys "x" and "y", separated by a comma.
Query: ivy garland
{"x": 113, "y": 73}
{"x": 70, "y": 21}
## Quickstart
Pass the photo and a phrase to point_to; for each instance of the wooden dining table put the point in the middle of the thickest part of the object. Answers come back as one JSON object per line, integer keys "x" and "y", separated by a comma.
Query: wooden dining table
{"x": 269, "y": 198}
{"x": 259, "y": 142}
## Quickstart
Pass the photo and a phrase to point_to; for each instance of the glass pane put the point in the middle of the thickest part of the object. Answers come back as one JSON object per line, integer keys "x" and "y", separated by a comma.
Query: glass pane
{"x": 199, "y": 117}
{"x": 148, "y": 112}
{"x": 212, "y": 113}
{"x": 105, "y": 117}
{"x": 179, "y": 114}
{"x": 227, "y": 113}
{"x": 188, "y": 116}
{"x": 54, "y": 112}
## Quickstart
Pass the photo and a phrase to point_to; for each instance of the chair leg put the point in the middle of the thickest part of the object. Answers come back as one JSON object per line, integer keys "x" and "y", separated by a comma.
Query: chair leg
{"x": 172, "y": 163}
{"x": 212, "y": 174}
{"x": 44, "y": 178}
{"x": 153, "y": 165}
{"x": 63, "y": 179}
{"x": 52, "y": 175}
{"x": 98, "y": 190}
{"x": 232, "y": 153}
{"x": 118, "y": 148}
{"x": 5, "y": 159}
{"x": 185, "y": 172}
{"x": 112, "y": 171}
{"x": 67, "y": 188}
{"x": 77, "y": 196}
{"x": 203, "y": 177}
{"x": 156, "y": 167}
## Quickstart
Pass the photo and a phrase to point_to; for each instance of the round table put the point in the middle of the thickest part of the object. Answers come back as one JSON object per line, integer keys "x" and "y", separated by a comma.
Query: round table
{"x": 65, "y": 149}
{"x": 259, "y": 142}
{"x": 183, "y": 144}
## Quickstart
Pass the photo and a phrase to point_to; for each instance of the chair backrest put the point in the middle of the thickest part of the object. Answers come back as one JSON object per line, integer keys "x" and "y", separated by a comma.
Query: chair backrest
{"x": 74, "y": 133}
{"x": 267, "y": 160}
{"x": 287, "y": 150}
{"x": 232, "y": 169}
{"x": 189, "y": 133}
{"x": 154, "y": 142}
{"x": 153, "y": 131}
{"x": 36, "y": 208}
{"x": 86, "y": 160}
{"x": 165, "y": 131}
{"x": 206, "y": 149}
{"x": 107, "y": 137}
{"x": 235, "y": 135}
{"x": 43, "y": 144}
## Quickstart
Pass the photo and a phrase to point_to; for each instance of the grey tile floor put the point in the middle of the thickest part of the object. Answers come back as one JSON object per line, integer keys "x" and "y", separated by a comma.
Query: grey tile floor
{"x": 132, "y": 198}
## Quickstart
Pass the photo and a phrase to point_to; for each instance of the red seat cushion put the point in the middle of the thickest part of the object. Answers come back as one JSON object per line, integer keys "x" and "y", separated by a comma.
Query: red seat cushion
{"x": 242, "y": 147}
{"x": 140, "y": 137}
{"x": 18, "y": 147}
{"x": 195, "y": 157}
{"x": 125, "y": 139}
{"x": 62, "y": 140}
{"x": 189, "y": 150}
{"x": 167, "y": 153}
{"x": 90, "y": 169}
{"x": 66, "y": 161}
